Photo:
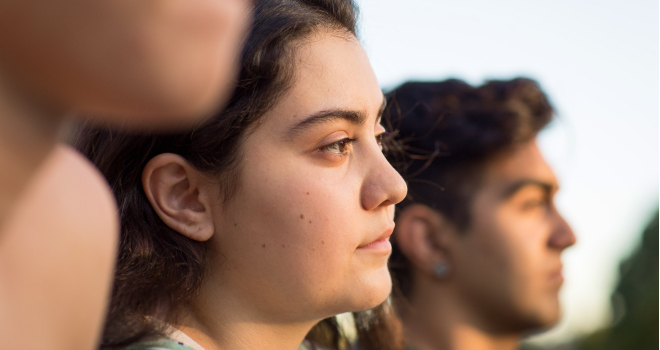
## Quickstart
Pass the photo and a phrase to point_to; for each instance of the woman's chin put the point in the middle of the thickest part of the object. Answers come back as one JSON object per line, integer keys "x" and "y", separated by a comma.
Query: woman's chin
{"x": 376, "y": 290}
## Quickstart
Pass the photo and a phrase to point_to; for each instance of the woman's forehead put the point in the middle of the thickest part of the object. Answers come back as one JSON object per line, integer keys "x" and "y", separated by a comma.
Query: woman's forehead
{"x": 331, "y": 73}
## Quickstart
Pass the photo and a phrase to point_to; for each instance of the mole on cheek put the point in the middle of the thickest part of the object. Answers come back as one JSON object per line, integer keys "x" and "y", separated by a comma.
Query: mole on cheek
{"x": 302, "y": 216}
{"x": 263, "y": 245}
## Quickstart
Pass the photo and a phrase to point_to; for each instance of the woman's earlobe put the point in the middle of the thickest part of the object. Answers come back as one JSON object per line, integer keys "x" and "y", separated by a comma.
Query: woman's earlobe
{"x": 175, "y": 190}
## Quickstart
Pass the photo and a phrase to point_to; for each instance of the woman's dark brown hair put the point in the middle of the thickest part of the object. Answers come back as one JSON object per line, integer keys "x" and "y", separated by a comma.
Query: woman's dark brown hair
{"x": 449, "y": 130}
{"x": 159, "y": 270}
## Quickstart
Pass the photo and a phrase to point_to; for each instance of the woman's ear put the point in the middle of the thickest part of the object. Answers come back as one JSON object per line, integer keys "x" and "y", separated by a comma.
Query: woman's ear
{"x": 177, "y": 192}
{"x": 422, "y": 235}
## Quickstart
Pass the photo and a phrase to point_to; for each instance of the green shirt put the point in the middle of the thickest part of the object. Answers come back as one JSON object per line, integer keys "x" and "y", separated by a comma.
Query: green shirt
{"x": 160, "y": 344}
{"x": 170, "y": 344}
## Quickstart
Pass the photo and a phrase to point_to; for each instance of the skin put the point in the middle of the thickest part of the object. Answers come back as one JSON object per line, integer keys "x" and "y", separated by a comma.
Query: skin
{"x": 132, "y": 64}
{"x": 165, "y": 62}
{"x": 505, "y": 268}
{"x": 138, "y": 64}
{"x": 56, "y": 267}
{"x": 291, "y": 247}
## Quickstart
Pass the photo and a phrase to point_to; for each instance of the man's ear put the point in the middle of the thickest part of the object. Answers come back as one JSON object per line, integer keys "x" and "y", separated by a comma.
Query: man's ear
{"x": 422, "y": 235}
{"x": 177, "y": 192}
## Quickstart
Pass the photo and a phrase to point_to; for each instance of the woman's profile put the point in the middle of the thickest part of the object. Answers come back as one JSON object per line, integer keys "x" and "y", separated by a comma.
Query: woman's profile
{"x": 270, "y": 217}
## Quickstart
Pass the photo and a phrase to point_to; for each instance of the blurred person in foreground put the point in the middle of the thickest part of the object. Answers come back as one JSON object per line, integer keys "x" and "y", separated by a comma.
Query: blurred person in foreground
{"x": 477, "y": 243}
{"x": 133, "y": 64}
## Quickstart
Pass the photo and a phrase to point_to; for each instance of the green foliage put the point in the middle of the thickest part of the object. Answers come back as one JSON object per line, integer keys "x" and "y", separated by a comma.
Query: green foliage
{"x": 635, "y": 301}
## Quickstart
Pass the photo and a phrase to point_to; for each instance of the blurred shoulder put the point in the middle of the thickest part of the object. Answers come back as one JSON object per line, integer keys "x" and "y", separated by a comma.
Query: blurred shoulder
{"x": 77, "y": 183}
{"x": 71, "y": 198}
{"x": 57, "y": 253}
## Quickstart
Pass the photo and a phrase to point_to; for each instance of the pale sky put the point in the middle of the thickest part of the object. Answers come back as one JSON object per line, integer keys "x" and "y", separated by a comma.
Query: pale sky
{"x": 598, "y": 61}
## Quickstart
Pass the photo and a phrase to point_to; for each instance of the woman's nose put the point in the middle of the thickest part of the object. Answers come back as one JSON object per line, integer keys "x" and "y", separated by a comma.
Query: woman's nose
{"x": 383, "y": 186}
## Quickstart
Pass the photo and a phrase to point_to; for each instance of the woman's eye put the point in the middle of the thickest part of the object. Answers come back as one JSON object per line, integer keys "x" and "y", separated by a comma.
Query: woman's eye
{"x": 380, "y": 137}
{"x": 339, "y": 147}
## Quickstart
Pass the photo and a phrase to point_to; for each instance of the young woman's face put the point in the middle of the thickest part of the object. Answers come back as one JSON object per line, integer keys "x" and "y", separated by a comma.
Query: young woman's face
{"x": 306, "y": 234}
{"x": 166, "y": 61}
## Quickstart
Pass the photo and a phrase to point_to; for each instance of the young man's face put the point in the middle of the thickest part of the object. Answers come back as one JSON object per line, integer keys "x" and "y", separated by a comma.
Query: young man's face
{"x": 507, "y": 263}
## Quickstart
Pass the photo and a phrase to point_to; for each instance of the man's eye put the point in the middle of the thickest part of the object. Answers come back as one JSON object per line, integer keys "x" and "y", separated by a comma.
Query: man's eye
{"x": 339, "y": 147}
{"x": 534, "y": 204}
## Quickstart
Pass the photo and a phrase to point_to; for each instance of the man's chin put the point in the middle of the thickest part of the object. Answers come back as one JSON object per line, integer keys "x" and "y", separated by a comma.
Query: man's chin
{"x": 544, "y": 319}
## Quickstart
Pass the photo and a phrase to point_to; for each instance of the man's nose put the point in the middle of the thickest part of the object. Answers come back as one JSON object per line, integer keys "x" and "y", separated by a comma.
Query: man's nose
{"x": 562, "y": 236}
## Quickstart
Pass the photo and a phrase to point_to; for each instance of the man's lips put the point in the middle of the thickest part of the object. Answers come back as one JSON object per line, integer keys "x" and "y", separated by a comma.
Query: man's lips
{"x": 381, "y": 242}
{"x": 557, "y": 275}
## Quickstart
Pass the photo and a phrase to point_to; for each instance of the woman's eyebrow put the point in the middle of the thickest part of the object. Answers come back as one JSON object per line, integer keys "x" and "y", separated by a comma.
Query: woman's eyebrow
{"x": 322, "y": 117}
{"x": 326, "y": 116}
{"x": 381, "y": 110}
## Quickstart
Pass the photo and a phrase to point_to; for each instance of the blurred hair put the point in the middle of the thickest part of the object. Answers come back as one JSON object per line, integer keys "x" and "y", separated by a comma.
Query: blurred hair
{"x": 159, "y": 269}
{"x": 448, "y": 131}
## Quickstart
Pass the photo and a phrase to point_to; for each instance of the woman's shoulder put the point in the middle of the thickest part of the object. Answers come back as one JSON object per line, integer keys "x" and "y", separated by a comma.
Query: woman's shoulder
{"x": 307, "y": 345}
{"x": 160, "y": 344}
{"x": 169, "y": 344}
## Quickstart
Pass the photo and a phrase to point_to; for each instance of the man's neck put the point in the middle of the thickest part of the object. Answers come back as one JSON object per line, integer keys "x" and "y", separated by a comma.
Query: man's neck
{"x": 28, "y": 133}
{"x": 438, "y": 321}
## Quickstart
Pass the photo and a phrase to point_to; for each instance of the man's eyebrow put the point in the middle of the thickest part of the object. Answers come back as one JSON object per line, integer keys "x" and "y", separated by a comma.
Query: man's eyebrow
{"x": 512, "y": 189}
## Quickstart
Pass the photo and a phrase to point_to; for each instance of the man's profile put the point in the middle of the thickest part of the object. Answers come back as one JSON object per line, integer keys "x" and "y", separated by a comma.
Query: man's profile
{"x": 477, "y": 245}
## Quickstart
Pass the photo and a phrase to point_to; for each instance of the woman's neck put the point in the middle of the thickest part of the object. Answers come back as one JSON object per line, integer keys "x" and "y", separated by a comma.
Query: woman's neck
{"x": 239, "y": 334}
{"x": 28, "y": 133}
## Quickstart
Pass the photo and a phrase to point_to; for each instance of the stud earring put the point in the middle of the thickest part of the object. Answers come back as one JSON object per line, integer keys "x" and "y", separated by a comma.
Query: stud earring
{"x": 441, "y": 270}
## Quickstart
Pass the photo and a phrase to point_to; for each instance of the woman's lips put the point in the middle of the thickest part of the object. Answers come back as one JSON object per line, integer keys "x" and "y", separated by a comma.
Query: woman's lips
{"x": 381, "y": 243}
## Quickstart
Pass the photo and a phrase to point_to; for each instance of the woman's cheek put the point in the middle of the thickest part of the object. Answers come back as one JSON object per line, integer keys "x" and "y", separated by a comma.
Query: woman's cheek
{"x": 301, "y": 205}
{"x": 325, "y": 236}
